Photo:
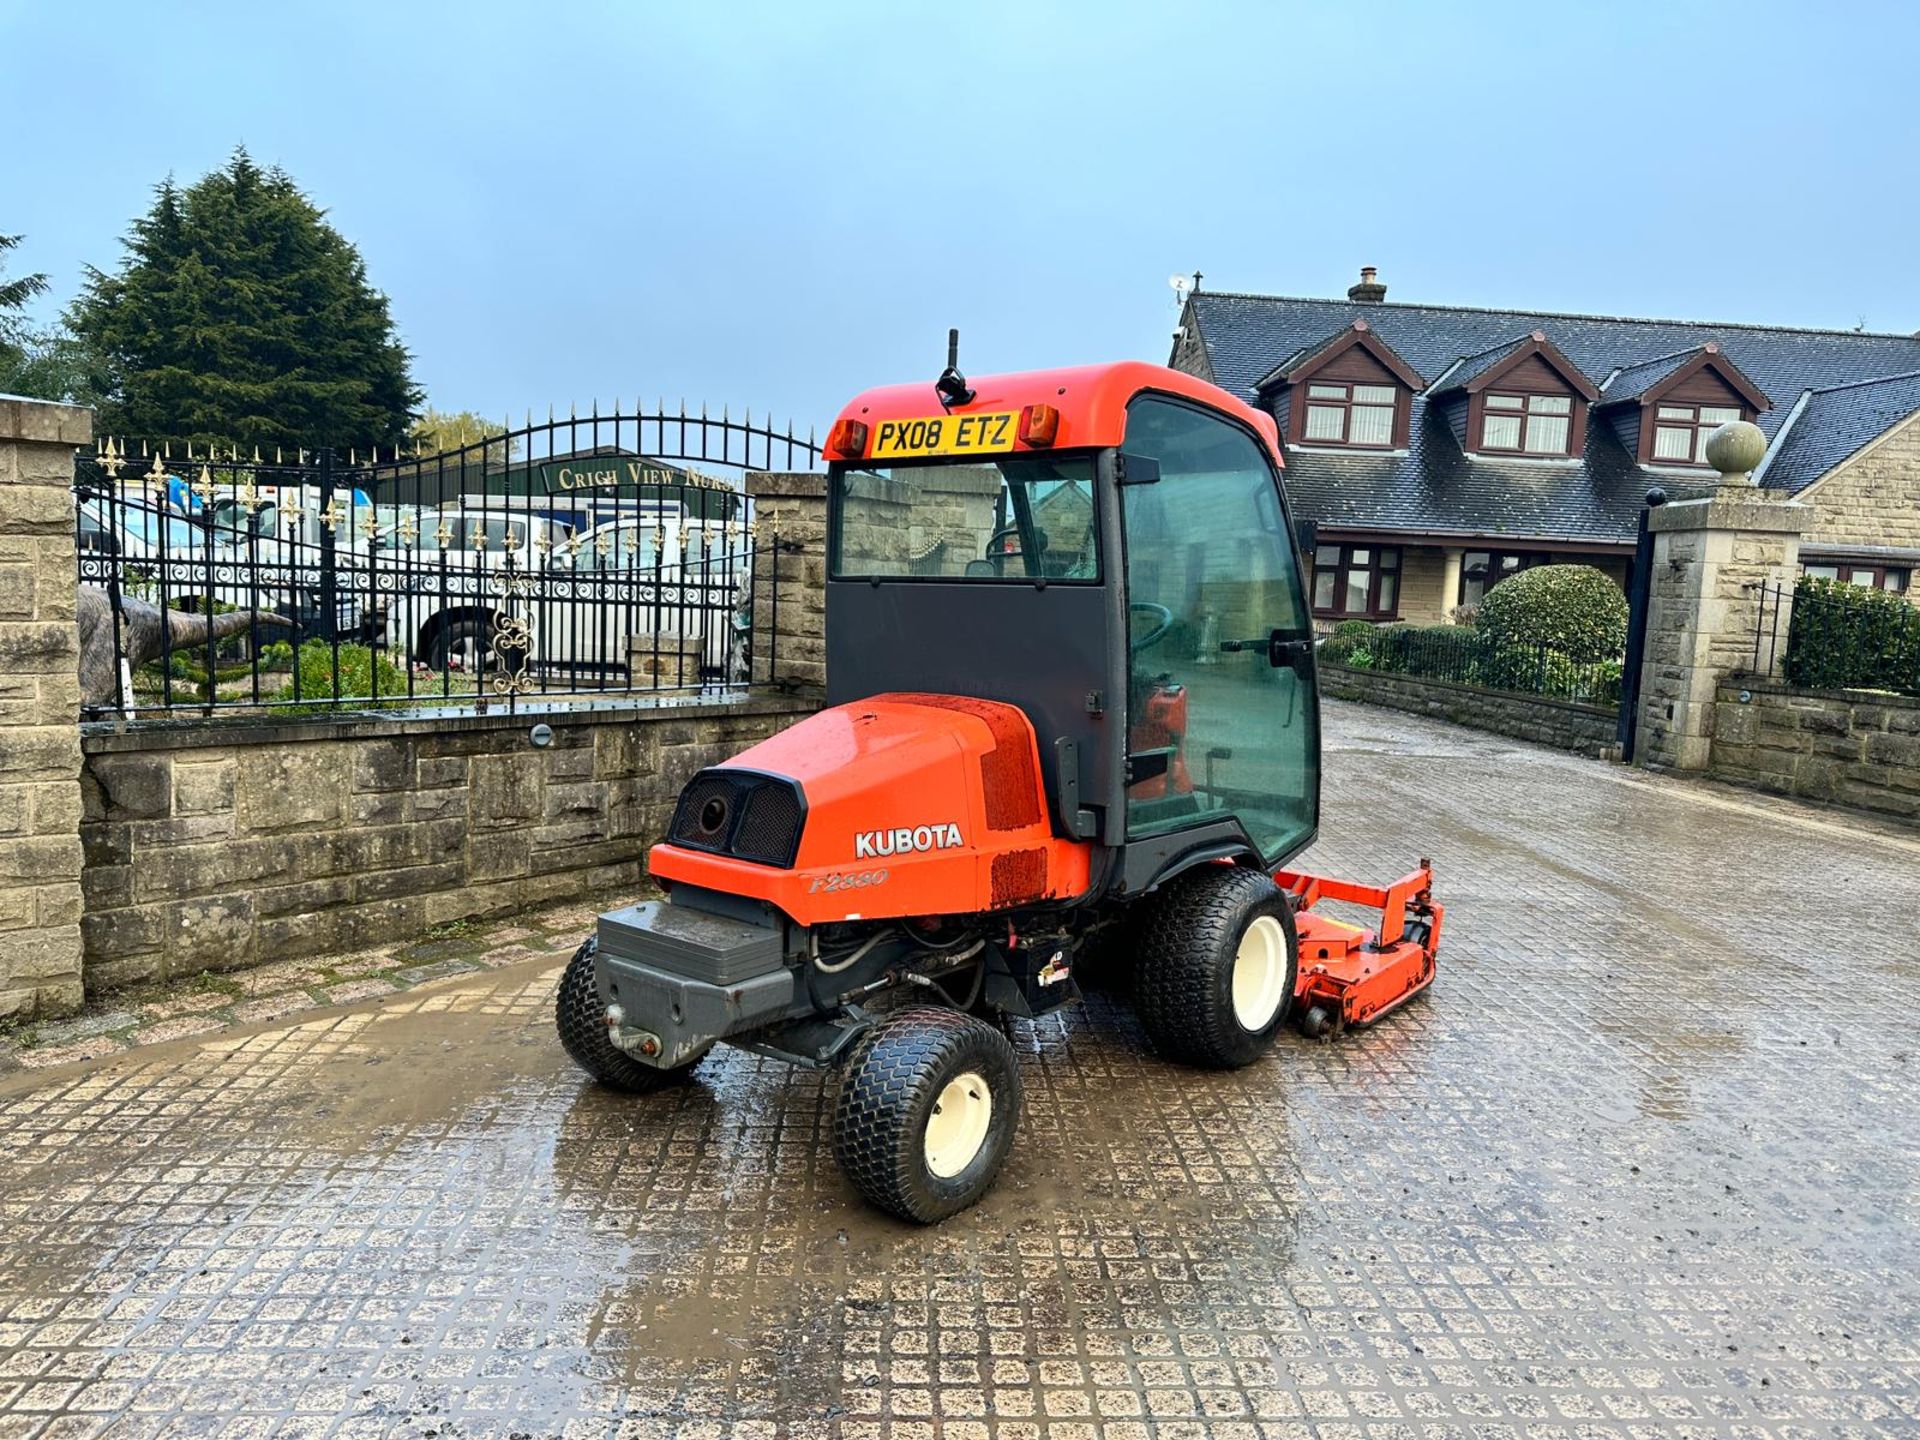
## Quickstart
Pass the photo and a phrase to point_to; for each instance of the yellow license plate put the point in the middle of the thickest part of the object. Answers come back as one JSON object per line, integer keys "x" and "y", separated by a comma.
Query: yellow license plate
{"x": 945, "y": 435}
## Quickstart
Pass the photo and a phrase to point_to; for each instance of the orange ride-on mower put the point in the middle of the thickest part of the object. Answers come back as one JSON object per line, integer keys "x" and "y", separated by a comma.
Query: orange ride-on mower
{"x": 1072, "y": 707}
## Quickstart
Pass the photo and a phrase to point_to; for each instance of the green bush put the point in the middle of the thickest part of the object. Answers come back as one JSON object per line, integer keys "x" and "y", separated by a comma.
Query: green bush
{"x": 1345, "y": 639}
{"x": 1533, "y": 670}
{"x": 1847, "y": 637}
{"x": 1574, "y": 610}
{"x": 1604, "y": 682}
{"x": 1439, "y": 652}
{"x": 1466, "y": 656}
{"x": 359, "y": 666}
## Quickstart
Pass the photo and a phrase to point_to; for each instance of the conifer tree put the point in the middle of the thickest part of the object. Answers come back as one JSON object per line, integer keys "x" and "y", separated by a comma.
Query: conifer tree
{"x": 240, "y": 316}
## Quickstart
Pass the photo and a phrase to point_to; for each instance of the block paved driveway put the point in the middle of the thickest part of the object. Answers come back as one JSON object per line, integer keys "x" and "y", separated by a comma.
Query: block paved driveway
{"x": 1644, "y": 1164}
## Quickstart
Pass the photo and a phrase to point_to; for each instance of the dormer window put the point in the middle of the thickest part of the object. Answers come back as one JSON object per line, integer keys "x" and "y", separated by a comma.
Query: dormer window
{"x": 1664, "y": 409}
{"x": 1350, "y": 415}
{"x": 1349, "y": 390}
{"x": 1680, "y": 431}
{"x": 1527, "y": 424}
{"x": 1520, "y": 398}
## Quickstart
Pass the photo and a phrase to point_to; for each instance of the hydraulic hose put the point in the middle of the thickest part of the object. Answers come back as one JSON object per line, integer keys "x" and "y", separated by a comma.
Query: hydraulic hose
{"x": 836, "y": 966}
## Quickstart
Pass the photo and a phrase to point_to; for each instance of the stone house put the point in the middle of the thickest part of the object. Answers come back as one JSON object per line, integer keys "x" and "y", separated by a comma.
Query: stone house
{"x": 1439, "y": 448}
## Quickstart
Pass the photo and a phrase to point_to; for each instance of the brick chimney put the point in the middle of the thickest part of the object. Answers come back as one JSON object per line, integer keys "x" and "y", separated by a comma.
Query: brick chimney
{"x": 1369, "y": 291}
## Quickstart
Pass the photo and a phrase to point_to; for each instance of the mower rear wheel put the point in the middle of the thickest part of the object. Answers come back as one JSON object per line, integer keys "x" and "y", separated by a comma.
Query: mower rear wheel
{"x": 926, "y": 1113}
{"x": 582, "y": 1022}
{"x": 1216, "y": 966}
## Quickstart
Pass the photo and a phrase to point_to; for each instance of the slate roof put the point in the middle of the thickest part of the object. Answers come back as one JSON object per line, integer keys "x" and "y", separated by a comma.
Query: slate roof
{"x": 1471, "y": 367}
{"x": 1434, "y": 488}
{"x": 1630, "y": 382}
{"x": 1827, "y": 425}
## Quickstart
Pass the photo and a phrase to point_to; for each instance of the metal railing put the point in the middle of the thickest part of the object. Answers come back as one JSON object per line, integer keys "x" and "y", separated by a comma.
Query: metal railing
{"x": 1461, "y": 655}
{"x": 587, "y": 556}
{"x": 1837, "y": 637}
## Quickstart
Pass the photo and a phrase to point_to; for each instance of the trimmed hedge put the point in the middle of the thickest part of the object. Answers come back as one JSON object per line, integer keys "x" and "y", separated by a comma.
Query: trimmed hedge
{"x": 1847, "y": 637}
{"x": 1574, "y": 610}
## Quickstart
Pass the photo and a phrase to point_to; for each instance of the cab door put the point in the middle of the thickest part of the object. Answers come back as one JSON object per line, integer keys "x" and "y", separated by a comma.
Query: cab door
{"x": 1222, "y": 713}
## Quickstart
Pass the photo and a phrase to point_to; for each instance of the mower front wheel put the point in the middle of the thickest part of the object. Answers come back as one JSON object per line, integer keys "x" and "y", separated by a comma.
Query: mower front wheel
{"x": 1216, "y": 967}
{"x": 582, "y": 1022}
{"x": 927, "y": 1112}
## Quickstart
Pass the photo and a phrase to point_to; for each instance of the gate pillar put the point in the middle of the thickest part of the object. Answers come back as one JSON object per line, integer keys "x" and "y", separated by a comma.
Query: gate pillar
{"x": 40, "y": 857}
{"x": 1711, "y": 557}
{"x": 789, "y": 578}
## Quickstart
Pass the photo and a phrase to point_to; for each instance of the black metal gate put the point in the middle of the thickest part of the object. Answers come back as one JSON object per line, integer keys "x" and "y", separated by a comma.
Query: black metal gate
{"x": 591, "y": 554}
{"x": 1639, "y": 597}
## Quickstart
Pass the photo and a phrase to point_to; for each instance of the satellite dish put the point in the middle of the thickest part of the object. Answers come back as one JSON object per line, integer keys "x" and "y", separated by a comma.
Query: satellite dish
{"x": 1178, "y": 284}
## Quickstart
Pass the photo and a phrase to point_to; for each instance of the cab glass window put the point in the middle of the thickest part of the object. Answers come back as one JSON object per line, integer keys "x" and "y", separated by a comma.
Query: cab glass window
{"x": 1222, "y": 722}
{"x": 1022, "y": 518}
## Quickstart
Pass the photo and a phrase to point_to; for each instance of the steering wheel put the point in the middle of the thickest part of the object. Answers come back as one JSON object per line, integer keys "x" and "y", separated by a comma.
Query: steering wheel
{"x": 993, "y": 550}
{"x": 1163, "y": 622}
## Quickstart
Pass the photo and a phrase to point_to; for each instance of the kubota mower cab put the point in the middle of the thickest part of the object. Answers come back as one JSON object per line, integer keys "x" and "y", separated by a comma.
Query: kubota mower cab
{"x": 1071, "y": 710}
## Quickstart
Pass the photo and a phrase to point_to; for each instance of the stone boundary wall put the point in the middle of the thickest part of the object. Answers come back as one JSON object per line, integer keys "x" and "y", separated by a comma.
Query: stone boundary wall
{"x": 1849, "y": 747}
{"x": 1562, "y": 724}
{"x": 221, "y": 845}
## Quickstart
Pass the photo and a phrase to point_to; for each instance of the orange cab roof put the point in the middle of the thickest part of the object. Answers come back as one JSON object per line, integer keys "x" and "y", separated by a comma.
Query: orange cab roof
{"x": 1092, "y": 401}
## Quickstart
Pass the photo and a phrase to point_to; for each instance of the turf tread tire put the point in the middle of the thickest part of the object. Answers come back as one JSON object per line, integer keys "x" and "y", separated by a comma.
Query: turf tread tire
{"x": 1183, "y": 971}
{"x": 581, "y": 1019}
{"x": 892, "y": 1079}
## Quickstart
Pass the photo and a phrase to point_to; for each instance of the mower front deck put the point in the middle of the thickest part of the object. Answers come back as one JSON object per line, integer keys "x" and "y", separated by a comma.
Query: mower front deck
{"x": 1349, "y": 976}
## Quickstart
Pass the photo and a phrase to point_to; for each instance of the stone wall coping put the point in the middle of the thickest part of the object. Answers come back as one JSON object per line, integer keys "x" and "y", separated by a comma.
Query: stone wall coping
{"x": 1742, "y": 511}
{"x": 1578, "y": 707}
{"x": 1768, "y": 685}
{"x": 786, "y": 484}
{"x": 103, "y": 737}
{"x": 44, "y": 421}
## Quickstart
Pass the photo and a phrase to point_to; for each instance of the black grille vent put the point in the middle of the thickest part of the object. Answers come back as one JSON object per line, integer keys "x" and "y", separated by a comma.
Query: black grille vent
{"x": 770, "y": 829}
{"x": 736, "y": 812}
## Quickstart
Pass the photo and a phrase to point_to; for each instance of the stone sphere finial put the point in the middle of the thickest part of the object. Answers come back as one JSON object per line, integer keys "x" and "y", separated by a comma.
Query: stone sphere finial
{"x": 1735, "y": 449}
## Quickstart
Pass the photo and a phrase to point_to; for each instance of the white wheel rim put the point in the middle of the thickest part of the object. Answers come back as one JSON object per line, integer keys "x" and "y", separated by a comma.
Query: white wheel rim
{"x": 1260, "y": 974}
{"x": 957, "y": 1126}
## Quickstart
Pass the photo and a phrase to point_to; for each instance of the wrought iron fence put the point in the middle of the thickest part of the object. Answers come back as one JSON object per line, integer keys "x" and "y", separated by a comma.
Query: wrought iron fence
{"x": 1462, "y": 655}
{"x": 1838, "y": 636}
{"x": 595, "y": 554}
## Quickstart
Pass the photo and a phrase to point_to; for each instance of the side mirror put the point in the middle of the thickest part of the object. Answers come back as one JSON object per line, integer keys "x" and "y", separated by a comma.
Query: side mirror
{"x": 1136, "y": 469}
{"x": 1306, "y": 536}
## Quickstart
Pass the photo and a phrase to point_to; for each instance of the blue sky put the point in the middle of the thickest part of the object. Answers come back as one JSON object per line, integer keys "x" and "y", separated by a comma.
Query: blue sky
{"x": 776, "y": 205}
